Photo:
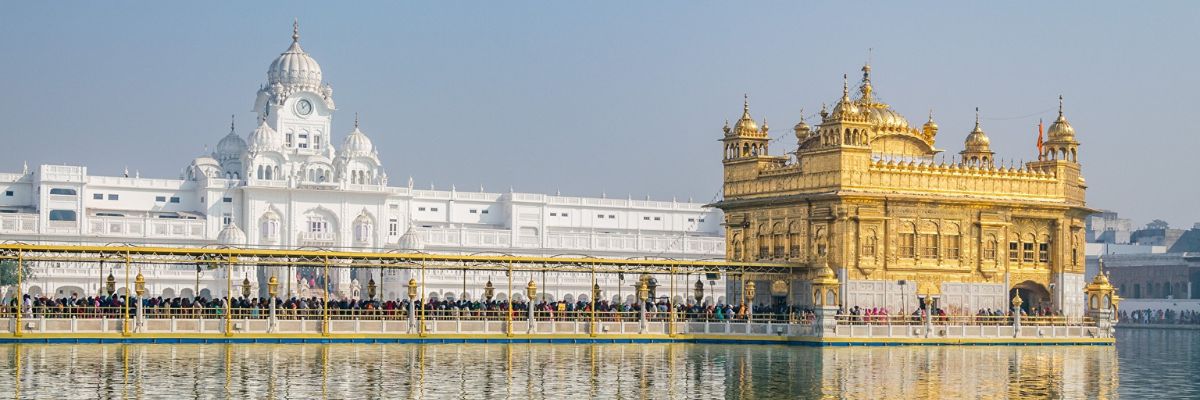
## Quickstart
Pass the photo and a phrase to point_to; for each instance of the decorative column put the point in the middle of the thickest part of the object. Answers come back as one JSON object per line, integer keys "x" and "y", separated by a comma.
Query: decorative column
{"x": 929, "y": 313}
{"x": 139, "y": 287}
{"x": 272, "y": 290}
{"x": 825, "y": 300}
{"x": 1102, "y": 303}
{"x": 643, "y": 294}
{"x": 412, "y": 305}
{"x": 1016, "y": 310}
{"x": 531, "y": 291}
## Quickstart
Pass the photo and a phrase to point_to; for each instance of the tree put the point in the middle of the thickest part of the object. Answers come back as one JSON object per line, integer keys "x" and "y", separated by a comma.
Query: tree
{"x": 8, "y": 272}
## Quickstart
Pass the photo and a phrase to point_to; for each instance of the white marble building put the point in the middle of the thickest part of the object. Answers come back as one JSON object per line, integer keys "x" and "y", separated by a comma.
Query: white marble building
{"x": 285, "y": 184}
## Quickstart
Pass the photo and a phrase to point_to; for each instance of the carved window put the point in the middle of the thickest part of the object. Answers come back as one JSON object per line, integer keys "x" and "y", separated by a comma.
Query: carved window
{"x": 779, "y": 244}
{"x": 868, "y": 246}
{"x": 951, "y": 237}
{"x": 1044, "y": 252}
{"x": 929, "y": 245}
{"x": 908, "y": 245}
{"x": 764, "y": 250}
{"x": 1027, "y": 252}
{"x": 794, "y": 245}
{"x": 989, "y": 249}
{"x": 1014, "y": 253}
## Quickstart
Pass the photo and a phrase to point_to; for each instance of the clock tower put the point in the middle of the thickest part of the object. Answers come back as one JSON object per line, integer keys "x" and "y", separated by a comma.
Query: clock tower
{"x": 297, "y": 105}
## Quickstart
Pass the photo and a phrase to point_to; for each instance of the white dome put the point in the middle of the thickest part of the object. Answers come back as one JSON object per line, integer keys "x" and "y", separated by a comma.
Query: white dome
{"x": 410, "y": 240}
{"x": 231, "y": 236}
{"x": 357, "y": 143}
{"x": 230, "y": 147}
{"x": 264, "y": 138}
{"x": 294, "y": 67}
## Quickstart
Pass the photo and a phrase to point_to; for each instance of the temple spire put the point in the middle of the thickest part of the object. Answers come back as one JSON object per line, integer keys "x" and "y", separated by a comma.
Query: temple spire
{"x": 1060, "y": 106}
{"x": 296, "y": 30}
{"x": 232, "y": 119}
{"x": 356, "y": 120}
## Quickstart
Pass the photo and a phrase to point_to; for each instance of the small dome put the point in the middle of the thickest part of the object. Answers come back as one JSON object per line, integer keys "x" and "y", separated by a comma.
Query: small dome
{"x": 745, "y": 125}
{"x": 231, "y": 236}
{"x": 294, "y": 67}
{"x": 845, "y": 107}
{"x": 930, "y": 125}
{"x": 264, "y": 138}
{"x": 410, "y": 240}
{"x": 1061, "y": 130}
{"x": 230, "y": 147}
{"x": 978, "y": 141}
{"x": 357, "y": 143}
{"x": 802, "y": 129}
{"x": 206, "y": 161}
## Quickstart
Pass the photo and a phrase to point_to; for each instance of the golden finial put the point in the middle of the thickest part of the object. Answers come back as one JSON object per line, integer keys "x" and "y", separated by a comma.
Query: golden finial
{"x": 296, "y": 30}
{"x": 845, "y": 85}
{"x": 746, "y": 102}
{"x": 976, "y": 118}
{"x": 930, "y": 115}
{"x": 1060, "y": 106}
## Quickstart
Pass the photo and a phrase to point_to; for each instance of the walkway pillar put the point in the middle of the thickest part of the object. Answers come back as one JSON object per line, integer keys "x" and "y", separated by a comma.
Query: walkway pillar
{"x": 825, "y": 300}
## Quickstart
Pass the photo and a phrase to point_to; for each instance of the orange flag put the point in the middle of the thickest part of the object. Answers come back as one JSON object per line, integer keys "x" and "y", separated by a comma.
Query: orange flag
{"x": 1039, "y": 143}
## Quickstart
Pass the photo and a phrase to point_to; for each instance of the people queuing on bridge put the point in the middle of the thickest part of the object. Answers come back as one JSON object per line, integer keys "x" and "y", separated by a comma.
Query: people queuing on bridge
{"x": 1159, "y": 316}
{"x": 114, "y": 306}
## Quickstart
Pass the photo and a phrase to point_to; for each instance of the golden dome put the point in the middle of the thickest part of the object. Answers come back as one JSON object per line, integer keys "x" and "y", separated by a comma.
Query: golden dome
{"x": 886, "y": 118}
{"x": 1061, "y": 130}
{"x": 977, "y": 141}
{"x": 930, "y": 125}
{"x": 745, "y": 125}
{"x": 802, "y": 129}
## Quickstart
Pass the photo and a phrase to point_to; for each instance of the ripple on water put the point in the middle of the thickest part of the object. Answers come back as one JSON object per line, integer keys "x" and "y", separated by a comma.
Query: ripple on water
{"x": 1150, "y": 363}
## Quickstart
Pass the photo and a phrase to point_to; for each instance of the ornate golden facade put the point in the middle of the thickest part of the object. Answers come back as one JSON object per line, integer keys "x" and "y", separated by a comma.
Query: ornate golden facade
{"x": 864, "y": 192}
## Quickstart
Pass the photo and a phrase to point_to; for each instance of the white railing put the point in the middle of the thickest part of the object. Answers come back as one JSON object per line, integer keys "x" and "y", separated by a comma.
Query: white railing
{"x": 18, "y": 223}
{"x": 173, "y": 228}
{"x": 318, "y": 237}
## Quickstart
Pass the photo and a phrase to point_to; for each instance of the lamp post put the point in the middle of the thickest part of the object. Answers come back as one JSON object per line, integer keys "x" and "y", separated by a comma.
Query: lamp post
{"x": 139, "y": 287}
{"x": 371, "y": 289}
{"x": 699, "y": 291}
{"x": 412, "y": 304}
{"x": 595, "y": 302}
{"x": 531, "y": 291}
{"x": 246, "y": 287}
{"x": 928, "y": 313}
{"x": 272, "y": 290}
{"x": 489, "y": 291}
{"x": 643, "y": 294}
{"x": 1016, "y": 304}
{"x": 110, "y": 284}
{"x": 750, "y": 292}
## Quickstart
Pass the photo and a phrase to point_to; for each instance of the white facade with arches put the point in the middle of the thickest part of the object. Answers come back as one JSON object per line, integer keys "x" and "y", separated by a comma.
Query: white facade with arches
{"x": 284, "y": 184}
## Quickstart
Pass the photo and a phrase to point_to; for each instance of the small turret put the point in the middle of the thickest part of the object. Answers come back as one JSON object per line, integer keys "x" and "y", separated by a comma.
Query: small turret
{"x": 978, "y": 148}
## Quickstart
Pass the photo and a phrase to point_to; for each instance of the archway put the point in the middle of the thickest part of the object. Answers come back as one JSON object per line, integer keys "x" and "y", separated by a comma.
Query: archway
{"x": 1033, "y": 295}
{"x": 66, "y": 292}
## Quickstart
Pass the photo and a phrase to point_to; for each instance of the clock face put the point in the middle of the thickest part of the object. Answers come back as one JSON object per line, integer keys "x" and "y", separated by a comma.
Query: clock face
{"x": 304, "y": 107}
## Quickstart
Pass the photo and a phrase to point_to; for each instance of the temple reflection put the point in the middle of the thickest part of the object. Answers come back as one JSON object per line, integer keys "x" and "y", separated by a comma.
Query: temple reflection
{"x": 556, "y": 370}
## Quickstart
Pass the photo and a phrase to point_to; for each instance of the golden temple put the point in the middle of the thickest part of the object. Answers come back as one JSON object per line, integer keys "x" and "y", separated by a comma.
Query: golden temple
{"x": 864, "y": 193}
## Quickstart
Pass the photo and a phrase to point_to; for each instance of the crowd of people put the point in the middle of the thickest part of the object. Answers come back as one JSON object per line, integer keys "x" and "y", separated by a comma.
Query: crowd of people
{"x": 1150, "y": 316}
{"x": 114, "y": 306}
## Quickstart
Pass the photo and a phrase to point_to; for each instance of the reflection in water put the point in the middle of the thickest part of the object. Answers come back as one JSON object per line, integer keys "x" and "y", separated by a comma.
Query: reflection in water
{"x": 554, "y": 371}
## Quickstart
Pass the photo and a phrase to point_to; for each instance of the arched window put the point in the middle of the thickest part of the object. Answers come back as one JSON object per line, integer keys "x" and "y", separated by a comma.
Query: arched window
{"x": 989, "y": 248}
{"x": 952, "y": 239}
{"x": 794, "y": 240}
{"x": 869, "y": 243}
{"x": 822, "y": 242}
{"x": 362, "y": 229}
{"x": 908, "y": 240}
{"x": 930, "y": 247}
{"x": 269, "y": 226}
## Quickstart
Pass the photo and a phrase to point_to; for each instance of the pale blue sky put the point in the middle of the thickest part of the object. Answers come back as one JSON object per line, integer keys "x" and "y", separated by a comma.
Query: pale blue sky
{"x": 619, "y": 97}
